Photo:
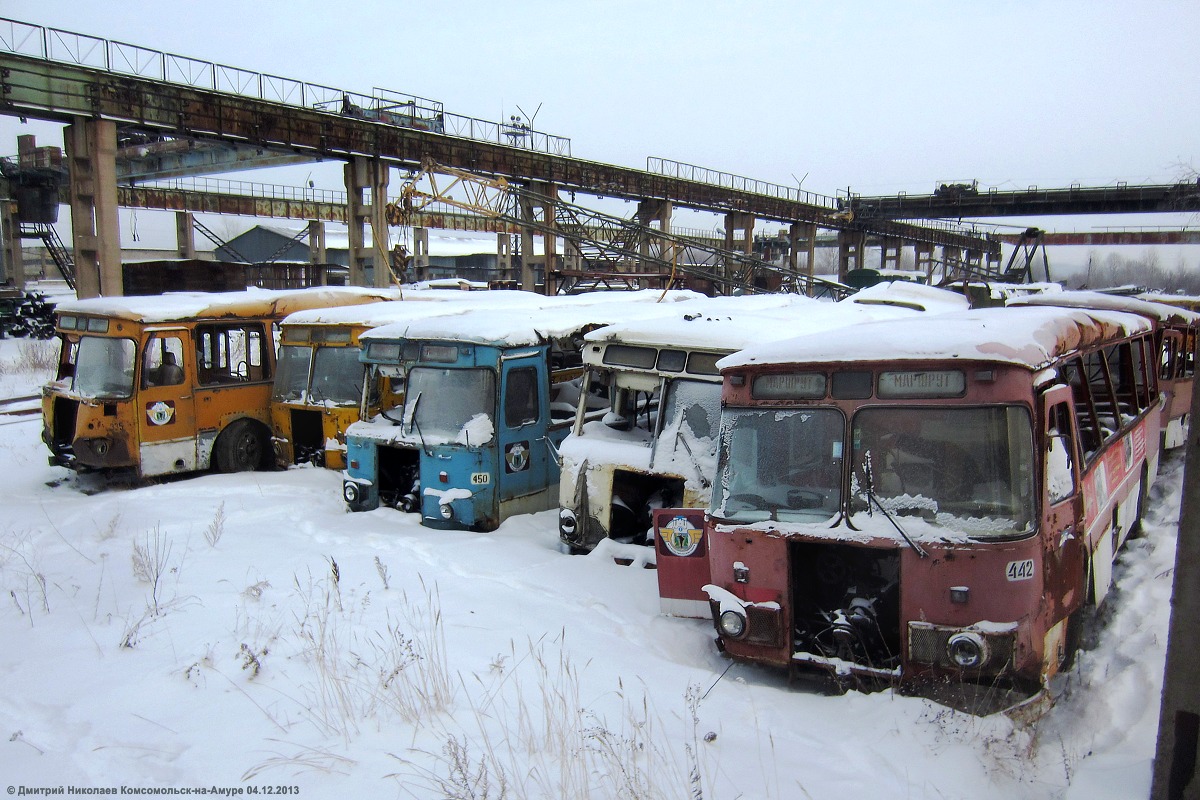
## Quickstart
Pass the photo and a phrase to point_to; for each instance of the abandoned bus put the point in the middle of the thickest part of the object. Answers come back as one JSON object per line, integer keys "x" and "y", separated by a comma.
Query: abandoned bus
{"x": 930, "y": 504}
{"x": 1175, "y": 330}
{"x": 318, "y": 389}
{"x": 172, "y": 383}
{"x": 619, "y": 466}
{"x": 488, "y": 396}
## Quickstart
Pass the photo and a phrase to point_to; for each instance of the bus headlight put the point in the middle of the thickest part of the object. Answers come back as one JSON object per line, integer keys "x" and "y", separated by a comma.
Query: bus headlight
{"x": 567, "y": 523}
{"x": 732, "y": 624}
{"x": 967, "y": 650}
{"x": 447, "y": 511}
{"x": 350, "y": 492}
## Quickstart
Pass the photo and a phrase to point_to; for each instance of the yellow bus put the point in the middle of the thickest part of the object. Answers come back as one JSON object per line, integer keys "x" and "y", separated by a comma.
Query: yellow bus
{"x": 318, "y": 389}
{"x": 171, "y": 383}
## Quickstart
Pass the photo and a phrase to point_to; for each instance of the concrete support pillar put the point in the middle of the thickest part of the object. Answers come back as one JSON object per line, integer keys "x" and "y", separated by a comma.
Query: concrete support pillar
{"x": 356, "y": 218}
{"x": 993, "y": 262}
{"x": 361, "y": 174}
{"x": 923, "y": 260}
{"x": 504, "y": 256}
{"x": 802, "y": 240}
{"x": 91, "y": 146}
{"x": 316, "y": 242}
{"x": 10, "y": 233}
{"x": 528, "y": 276}
{"x": 974, "y": 263}
{"x": 648, "y": 213}
{"x": 952, "y": 262}
{"x": 852, "y": 246}
{"x": 379, "y": 226}
{"x": 890, "y": 253}
{"x": 420, "y": 256}
{"x": 185, "y": 234}
{"x": 550, "y": 265}
{"x": 543, "y": 213}
{"x": 737, "y": 221}
{"x": 572, "y": 257}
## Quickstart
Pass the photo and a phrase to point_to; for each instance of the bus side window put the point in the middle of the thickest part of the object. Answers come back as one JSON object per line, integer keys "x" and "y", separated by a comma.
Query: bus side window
{"x": 1060, "y": 454}
{"x": 1143, "y": 371}
{"x": 1169, "y": 367}
{"x": 1123, "y": 368}
{"x": 162, "y": 364}
{"x": 231, "y": 353}
{"x": 68, "y": 357}
{"x": 521, "y": 397}
{"x": 1085, "y": 408}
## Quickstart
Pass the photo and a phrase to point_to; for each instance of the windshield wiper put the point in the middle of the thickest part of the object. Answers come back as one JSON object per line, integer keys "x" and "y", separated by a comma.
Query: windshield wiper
{"x": 870, "y": 487}
{"x": 681, "y": 439}
{"x": 410, "y": 412}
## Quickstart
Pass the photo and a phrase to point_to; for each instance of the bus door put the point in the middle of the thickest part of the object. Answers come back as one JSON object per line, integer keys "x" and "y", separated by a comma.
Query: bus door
{"x": 524, "y": 453}
{"x": 1064, "y": 534}
{"x": 166, "y": 408}
{"x": 233, "y": 368}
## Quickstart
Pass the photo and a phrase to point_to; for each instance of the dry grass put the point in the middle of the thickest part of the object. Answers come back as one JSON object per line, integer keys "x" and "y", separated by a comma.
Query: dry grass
{"x": 399, "y": 671}
{"x": 35, "y": 358}
{"x": 534, "y": 737}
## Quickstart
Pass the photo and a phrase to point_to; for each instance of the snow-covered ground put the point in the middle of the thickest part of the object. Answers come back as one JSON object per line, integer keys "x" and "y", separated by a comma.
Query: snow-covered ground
{"x": 245, "y": 632}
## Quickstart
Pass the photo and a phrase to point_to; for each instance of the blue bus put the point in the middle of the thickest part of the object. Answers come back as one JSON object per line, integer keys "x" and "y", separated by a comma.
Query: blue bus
{"x": 488, "y": 397}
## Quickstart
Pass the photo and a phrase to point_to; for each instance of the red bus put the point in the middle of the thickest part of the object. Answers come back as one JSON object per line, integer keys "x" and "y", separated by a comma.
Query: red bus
{"x": 1175, "y": 330}
{"x": 930, "y": 503}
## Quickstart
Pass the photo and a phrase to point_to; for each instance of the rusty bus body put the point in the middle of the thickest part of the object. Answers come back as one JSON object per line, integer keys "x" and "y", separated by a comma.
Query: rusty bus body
{"x": 931, "y": 506}
{"x": 1175, "y": 329}
{"x": 173, "y": 383}
{"x": 657, "y": 447}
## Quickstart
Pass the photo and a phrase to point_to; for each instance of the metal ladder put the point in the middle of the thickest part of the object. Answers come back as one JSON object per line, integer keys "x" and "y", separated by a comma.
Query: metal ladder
{"x": 54, "y": 244}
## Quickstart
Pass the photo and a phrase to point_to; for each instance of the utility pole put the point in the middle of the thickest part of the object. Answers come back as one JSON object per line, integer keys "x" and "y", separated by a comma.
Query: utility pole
{"x": 1175, "y": 764}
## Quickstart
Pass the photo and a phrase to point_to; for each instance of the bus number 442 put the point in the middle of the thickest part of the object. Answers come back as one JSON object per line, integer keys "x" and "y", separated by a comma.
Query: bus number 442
{"x": 1019, "y": 570}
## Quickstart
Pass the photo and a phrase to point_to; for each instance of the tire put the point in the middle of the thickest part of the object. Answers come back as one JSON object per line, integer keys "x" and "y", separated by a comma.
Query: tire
{"x": 242, "y": 447}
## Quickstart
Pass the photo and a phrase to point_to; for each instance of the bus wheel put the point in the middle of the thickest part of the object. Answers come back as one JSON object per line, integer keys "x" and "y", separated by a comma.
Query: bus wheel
{"x": 242, "y": 447}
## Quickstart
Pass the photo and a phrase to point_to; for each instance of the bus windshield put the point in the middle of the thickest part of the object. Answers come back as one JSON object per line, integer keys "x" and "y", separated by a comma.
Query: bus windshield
{"x": 451, "y": 405}
{"x": 337, "y": 376}
{"x": 104, "y": 367}
{"x": 965, "y": 470}
{"x": 291, "y": 373}
{"x": 690, "y": 420}
{"x": 782, "y": 464}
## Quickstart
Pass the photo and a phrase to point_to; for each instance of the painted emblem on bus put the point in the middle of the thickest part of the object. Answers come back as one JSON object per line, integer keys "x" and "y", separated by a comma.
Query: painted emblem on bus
{"x": 516, "y": 457}
{"x": 680, "y": 536}
{"x": 160, "y": 412}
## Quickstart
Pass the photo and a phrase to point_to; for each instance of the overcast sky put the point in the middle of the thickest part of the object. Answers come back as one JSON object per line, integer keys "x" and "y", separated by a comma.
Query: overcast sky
{"x": 877, "y": 97}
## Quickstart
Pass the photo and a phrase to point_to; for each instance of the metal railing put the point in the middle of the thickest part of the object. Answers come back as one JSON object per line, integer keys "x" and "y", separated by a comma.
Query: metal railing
{"x": 277, "y": 192}
{"x": 382, "y": 105}
{"x": 266, "y": 191}
{"x": 727, "y": 180}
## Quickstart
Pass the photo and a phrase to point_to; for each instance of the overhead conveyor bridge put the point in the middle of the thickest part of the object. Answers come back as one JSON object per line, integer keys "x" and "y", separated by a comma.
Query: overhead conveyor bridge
{"x": 79, "y": 79}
